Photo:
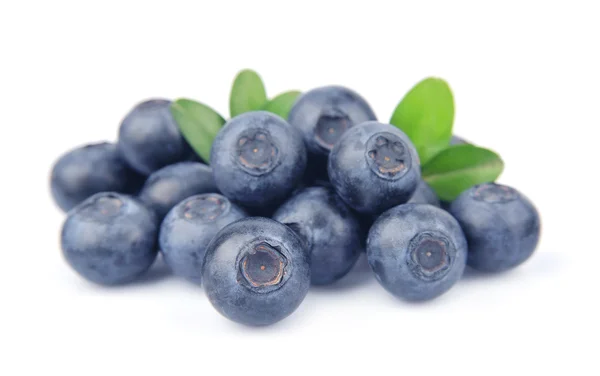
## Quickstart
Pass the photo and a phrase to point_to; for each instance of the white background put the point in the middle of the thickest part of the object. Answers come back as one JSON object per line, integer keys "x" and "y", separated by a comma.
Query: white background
{"x": 526, "y": 81}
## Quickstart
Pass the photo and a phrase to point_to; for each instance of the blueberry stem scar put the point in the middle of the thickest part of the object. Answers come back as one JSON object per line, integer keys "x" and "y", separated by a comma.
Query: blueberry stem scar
{"x": 263, "y": 266}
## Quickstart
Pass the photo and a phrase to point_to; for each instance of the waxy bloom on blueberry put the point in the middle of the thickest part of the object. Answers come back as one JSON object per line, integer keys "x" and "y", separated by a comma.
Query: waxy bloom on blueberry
{"x": 87, "y": 170}
{"x": 170, "y": 185}
{"x": 330, "y": 231}
{"x": 110, "y": 238}
{"x": 149, "y": 138}
{"x": 417, "y": 251}
{"x": 374, "y": 167}
{"x": 325, "y": 113}
{"x": 256, "y": 271}
{"x": 188, "y": 229}
{"x": 258, "y": 159}
{"x": 501, "y": 225}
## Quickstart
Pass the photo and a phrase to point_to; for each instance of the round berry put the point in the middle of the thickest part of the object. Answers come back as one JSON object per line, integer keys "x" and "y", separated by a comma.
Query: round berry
{"x": 258, "y": 159}
{"x": 325, "y": 113}
{"x": 87, "y": 170}
{"x": 110, "y": 238}
{"x": 149, "y": 138}
{"x": 417, "y": 251}
{"x": 188, "y": 229}
{"x": 501, "y": 225}
{"x": 256, "y": 271}
{"x": 374, "y": 167}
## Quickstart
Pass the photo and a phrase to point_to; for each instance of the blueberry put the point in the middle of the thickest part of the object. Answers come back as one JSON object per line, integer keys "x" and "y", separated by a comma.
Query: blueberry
{"x": 330, "y": 231}
{"x": 325, "y": 113}
{"x": 87, "y": 170}
{"x": 417, "y": 251}
{"x": 149, "y": 138}
{"x": 189, "y": 227}
{"x": 424, "y": 194}
{"x": 256, "y": 271}
{"x": 258, "y": 159}
{"x": 110, "y": 238}
{"x": 170, "y": 185}
{"x": 501, "y": 225}
{"x": 455, "y": 140}
{"x": 374, "y": 167}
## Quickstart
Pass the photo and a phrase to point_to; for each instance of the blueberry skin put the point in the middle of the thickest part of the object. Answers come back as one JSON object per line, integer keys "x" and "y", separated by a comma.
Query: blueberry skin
{"x": 374, "y": 167}
{"x": 256, "y": 271}
{"x": 110, "y": 238}
{"x": 417, "y": 251}
{"x": 258, "y": 159}
{"x": 424, "y": 194}
{"x": 501, "y": 225}
{"x": 87, "y": 170}
{"x": 325, "y": 113}
{"x": 170, "y": 185}
{"x": 188, "y": 229}
{"x": 456, "y": 140}
{"x": 149, "y": 137}
{"x": 330, "y": 231}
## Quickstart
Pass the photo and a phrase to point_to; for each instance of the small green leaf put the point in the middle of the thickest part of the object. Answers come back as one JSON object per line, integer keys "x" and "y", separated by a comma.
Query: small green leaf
{"x": 282, "y": 104}
{"x": 247, "y": 93}
{"x": 198, "y": 123}
{"x": 460, "y": 167}
{"x": 426, "y": 114}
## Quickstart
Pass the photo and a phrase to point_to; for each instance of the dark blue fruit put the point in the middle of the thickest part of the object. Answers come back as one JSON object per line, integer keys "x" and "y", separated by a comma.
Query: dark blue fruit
{"x": 149, "y": 138}
{"x": 330, "y": 231}
{"x": 110, "y": 238}
{"x": 325, "y": 113}
{"x": 424, "y": 194}
{"x": 189, "y": 227}
{"x": 258, "y": 159}
{"x": 374, "y": 167}
{"x": 90, "y": 169}
{"x": 417, "y": 252}
{"x": 170, "y": 185}
{"x": 256, "y": 271}
{"x": 501, "y": 225}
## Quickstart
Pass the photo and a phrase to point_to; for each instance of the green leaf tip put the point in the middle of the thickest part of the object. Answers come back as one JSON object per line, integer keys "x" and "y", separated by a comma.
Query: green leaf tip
{"x": 426, "y": 115}
{"x": 198, "y": 123}
{"x": 282, "y": 103}
{"x": 460, "y": 167}
{"x": 247, "y": 93}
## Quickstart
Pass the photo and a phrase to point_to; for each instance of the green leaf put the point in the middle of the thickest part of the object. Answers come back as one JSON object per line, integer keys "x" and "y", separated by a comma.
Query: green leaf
{"x": 198, "y": 123}
{"x": 282, "y": 104}
{"x": 247, "y": 93}
{"x": 460, "y": 167}
{"x": 426, "y": 114}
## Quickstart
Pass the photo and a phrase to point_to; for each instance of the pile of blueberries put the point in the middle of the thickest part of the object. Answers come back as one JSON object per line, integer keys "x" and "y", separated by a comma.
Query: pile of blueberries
{"x": 285, "y": 203}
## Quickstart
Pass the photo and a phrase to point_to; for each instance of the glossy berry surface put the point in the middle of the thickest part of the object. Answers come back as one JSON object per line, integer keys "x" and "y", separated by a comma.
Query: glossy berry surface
{"x": 149, "y": 138}
{"x": 417, "y": 252}
{"x": 110, "y": 238}
{"x": 256, "y": 271}
{"x": 374, "y": 167}
{"x": 501, "y": 225}
{"x": 424, "y": 194}
{"x": 258, "y": 159}
{"x": 325, "y": 113}
{"x": 330, "y": 231}
{"x": 188, "y": 229}
{"x": 170, "y": 185}
{"x": 87, "y": 170}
